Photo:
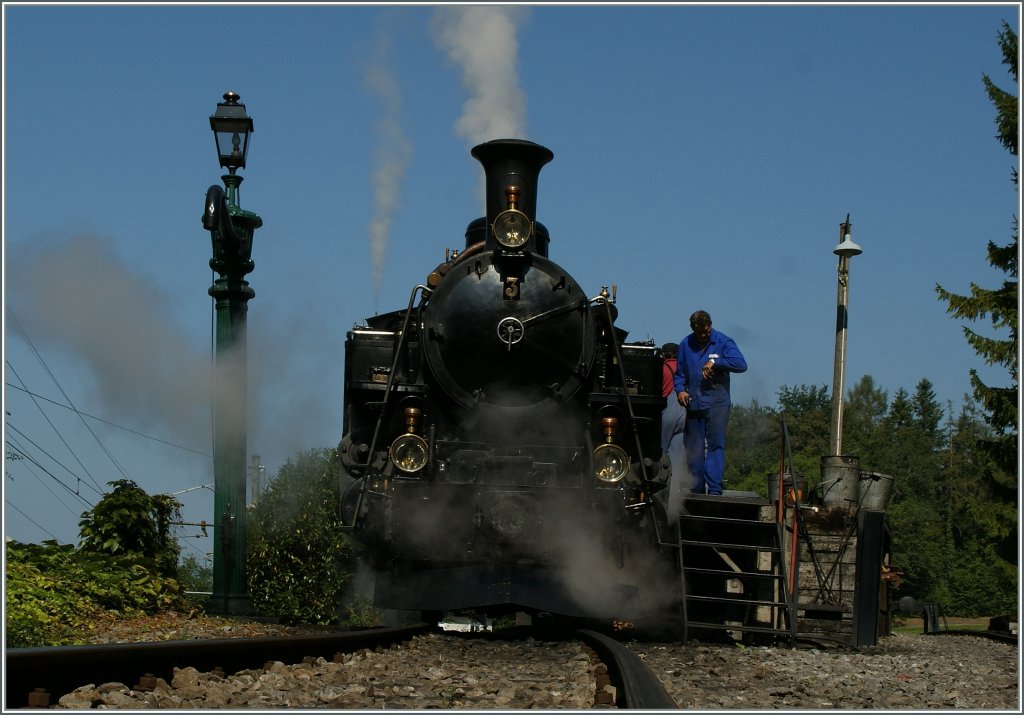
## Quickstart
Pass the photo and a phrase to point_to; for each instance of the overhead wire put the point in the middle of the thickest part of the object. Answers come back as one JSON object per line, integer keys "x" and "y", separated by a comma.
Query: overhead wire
{"x": 24, "y": 453}
{"x": 112, "y": 424}
{"x": 33, "y": 522}
{"x": 56, "y": 382}
{"x": 57, "y": 432}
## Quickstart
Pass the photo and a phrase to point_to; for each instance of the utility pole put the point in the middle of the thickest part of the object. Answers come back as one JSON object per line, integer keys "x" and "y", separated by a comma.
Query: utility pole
{"x": 840, "y": 474}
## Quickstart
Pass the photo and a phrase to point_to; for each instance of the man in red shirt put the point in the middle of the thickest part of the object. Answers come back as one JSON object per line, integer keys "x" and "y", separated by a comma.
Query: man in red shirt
{"x": 673, "y": 418}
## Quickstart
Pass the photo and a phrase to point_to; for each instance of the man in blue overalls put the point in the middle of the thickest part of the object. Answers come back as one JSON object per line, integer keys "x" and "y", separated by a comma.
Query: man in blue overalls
{"x": 706, "y": 358}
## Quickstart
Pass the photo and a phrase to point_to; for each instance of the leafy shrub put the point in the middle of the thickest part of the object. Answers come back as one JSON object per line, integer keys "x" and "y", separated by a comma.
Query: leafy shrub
{"x": 129, "y": 522}
{"x": 55, "y": 593}
{"x": 298, "y": 561}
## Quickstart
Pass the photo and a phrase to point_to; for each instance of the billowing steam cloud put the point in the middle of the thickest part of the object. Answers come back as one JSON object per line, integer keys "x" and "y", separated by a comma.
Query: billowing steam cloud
{"x": 79, "y": 297}
{"x": 391, "y": 156}
{"x": 482, "y": 41}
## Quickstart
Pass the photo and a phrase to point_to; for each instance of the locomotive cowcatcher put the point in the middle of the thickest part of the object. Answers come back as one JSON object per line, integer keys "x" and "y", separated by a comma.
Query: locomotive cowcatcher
{"x": 501, "y": 438}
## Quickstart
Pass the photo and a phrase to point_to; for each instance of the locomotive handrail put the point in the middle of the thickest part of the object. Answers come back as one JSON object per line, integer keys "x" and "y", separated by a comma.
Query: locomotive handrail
{"x": 394, "y": 366}
{"x": 625, "y": 390}
{"x": 553, "y": 312}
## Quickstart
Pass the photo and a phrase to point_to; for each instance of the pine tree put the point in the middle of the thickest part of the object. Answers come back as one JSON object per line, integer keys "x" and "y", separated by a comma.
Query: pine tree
{"x": 987, "y": 499}
{"x": 928, "y": 414}
{"x": 1000, "y": 304}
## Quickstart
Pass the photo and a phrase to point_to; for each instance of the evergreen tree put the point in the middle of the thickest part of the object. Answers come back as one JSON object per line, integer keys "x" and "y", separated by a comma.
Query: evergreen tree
{"x": 928, "y": 414}
{"x": 808, "y": 412}
{"x": 864, "y": 411}
{"x": 753, "y": 436}
{"x": 900, "y": 414}
{"x": 989, "y": 499}
{"x": 1000, "y": 304}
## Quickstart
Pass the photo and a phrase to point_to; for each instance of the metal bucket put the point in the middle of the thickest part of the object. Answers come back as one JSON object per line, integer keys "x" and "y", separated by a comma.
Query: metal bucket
{"x": 875, "y": 490}
{"x": 840, "y": 477}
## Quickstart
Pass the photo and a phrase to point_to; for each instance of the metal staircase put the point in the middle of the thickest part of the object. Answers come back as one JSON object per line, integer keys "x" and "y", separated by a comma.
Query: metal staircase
{"x": 733, "y": 570}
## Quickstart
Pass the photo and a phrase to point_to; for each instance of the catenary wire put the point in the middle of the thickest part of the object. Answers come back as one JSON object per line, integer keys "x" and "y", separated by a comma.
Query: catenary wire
{"x": 56, "y": 431}
{"x": 33, "y": 521}
{"x": 56, "y": 382}
{"x": 112, "y": 424}
{"x": 58, "y": 462}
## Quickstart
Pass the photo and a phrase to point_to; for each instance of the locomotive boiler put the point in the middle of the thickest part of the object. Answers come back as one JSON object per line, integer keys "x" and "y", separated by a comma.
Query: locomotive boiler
{"x": 501, "y": 437}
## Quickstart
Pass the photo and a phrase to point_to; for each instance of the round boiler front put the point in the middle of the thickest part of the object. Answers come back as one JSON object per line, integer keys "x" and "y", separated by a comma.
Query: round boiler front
{"x": 511, "y": 333}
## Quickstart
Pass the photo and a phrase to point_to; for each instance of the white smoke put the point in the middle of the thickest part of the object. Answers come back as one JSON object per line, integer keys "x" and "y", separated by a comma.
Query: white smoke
{"x": 391, "y": 155}
{"x": 82, "y": 298}
{"x": 482, "y": 41}
{"x": 78, "y": 297}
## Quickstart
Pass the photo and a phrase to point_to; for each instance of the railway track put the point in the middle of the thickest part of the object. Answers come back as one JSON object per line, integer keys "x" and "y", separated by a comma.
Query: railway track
{"x": 37, "y": 677}
{"x": 34, "y": 674}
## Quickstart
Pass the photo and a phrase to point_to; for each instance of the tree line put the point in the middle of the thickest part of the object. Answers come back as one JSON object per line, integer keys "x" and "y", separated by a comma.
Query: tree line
{"x": 953, "y": 510}
{"x": 955, "y": 505}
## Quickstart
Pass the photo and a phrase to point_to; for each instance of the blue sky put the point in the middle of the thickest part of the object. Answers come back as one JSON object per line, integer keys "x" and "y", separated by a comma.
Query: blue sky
{"x": 704, "y": 158}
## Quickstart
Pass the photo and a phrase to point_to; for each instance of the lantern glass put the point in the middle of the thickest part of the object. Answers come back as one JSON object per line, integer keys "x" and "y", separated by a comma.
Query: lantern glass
{"x": 231, "y": 129}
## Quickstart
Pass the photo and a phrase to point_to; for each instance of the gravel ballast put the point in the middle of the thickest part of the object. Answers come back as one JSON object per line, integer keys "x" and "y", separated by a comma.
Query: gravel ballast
{"x": 904, "y": 672}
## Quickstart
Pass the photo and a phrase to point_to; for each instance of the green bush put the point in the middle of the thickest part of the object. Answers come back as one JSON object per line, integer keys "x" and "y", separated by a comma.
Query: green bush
{"x": 54, "y": 594}
{"x": 298, "y": 561}
{"x": 129, "y": 522}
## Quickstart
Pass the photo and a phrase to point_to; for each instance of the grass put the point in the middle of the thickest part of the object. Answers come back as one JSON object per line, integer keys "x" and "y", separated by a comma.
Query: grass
{"x": 916, "y": 625}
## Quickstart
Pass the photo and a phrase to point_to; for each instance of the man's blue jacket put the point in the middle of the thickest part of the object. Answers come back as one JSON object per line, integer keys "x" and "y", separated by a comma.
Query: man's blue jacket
{"x": 715, "y": 389}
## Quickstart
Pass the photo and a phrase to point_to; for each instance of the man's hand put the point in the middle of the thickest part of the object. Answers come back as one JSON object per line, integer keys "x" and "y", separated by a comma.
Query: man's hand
{"x": 684, "y": 398}
{"x": 708, "y": 367}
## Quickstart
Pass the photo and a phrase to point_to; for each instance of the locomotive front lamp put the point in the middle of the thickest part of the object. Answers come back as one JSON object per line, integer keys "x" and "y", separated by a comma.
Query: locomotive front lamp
{"x": 611, "y": 463}
{"x": 409, "y": 453}
{"x": 512, "y": 228}
{"x": 231, "y": 129}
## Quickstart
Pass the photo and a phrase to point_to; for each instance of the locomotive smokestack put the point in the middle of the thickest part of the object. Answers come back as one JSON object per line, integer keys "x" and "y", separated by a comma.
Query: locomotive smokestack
{"x": 511, "y": 162}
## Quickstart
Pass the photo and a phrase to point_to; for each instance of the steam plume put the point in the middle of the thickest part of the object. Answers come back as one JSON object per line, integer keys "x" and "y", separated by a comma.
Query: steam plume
{"x": 391, "y": 156}
{"x": 482, "y": 42}
{"x": 78, "y": 297}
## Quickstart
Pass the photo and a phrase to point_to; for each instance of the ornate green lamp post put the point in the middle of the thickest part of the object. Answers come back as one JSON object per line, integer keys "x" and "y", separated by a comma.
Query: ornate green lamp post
{"x": 231, "y": 230}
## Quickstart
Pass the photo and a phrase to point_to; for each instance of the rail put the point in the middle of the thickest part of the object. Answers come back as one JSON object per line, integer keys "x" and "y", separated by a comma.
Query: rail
{"x": 32, "y": 675}
{"x": 640, "y": 689}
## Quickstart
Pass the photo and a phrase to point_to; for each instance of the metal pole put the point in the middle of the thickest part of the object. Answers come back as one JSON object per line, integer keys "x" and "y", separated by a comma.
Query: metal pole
{"x": 231, "y": 231}
{"x": 839, "y": 366}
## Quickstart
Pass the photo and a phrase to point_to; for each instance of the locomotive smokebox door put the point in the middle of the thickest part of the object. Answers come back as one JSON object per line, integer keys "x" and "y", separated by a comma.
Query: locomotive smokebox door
{"x": 518, "y": 357}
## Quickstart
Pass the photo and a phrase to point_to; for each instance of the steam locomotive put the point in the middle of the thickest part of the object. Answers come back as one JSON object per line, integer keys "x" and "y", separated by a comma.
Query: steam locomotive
{"x": 501, "y": 437}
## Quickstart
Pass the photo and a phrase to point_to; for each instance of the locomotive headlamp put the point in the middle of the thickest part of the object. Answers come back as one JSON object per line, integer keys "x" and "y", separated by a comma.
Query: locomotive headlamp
{"x": 409, "y": 452}
{"x": 512, "y": 228}
{"x": 611, "y": 463}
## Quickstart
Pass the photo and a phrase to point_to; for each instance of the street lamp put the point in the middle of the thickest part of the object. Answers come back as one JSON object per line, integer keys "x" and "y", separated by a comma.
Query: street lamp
{"x": 231, "y": 129}
{"x": 845, "y": 250}
{"x": 231, "y": 233}
{"x": 841, "y": 473}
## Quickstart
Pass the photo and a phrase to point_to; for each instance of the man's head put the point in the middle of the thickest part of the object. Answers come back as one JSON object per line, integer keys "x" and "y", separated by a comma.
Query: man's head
{"x": 670, "y": 351}
{"x": 700, "y": 324}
